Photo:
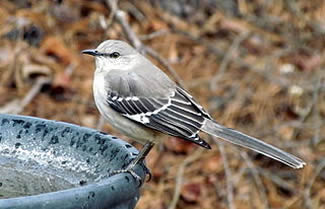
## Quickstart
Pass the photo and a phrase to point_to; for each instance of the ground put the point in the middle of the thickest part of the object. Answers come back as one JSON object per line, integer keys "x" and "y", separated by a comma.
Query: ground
{"x": 256, "y": 66}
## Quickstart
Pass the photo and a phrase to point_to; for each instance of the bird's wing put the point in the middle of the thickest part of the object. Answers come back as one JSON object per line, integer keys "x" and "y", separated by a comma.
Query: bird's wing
{"x": 176, "y": 114}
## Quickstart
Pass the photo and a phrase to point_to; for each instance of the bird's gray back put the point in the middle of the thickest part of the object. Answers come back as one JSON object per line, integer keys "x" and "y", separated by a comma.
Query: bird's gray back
{"x": 142, "y": 80}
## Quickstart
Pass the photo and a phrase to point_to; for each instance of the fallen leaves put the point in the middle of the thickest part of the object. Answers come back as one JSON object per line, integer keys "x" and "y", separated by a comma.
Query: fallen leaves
{"x": 308, "y": 62}
{"x": 178, "y": 145}
{"x": 269, "y": 76}
{"x": 212, "y": 164}
{"x": 53, "y": 46}
{"x": 191, "y": 192}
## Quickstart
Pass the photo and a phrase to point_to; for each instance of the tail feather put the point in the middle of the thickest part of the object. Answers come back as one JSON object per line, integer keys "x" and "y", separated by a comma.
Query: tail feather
{"x": 236, "y": 137}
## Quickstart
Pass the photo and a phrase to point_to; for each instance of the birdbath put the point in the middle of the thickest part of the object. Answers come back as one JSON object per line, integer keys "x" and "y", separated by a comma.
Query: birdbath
{"x": 48, "y": 165}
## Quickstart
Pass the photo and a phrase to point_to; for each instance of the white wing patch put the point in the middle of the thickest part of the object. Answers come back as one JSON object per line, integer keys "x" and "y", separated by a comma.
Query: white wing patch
{"x": 177, "y": 115}
{"x": 144, "y": 117}
{"x": 131, "y": 98}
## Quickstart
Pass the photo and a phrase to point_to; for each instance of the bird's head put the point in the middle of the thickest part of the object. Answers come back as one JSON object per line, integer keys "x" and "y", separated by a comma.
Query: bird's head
{"x": 114, "y": 54}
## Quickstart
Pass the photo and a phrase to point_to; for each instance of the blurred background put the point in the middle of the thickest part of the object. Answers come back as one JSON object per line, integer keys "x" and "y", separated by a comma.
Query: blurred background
{"x": 256, "y": 65}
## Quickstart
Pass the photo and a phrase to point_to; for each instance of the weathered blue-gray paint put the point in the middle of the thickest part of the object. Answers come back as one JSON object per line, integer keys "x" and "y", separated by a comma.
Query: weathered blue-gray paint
{"x": 79, "y": 157}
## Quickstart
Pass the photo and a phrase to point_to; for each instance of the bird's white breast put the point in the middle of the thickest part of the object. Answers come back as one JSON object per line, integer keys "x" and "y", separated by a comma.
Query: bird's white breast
{"x": 115, "y": 119}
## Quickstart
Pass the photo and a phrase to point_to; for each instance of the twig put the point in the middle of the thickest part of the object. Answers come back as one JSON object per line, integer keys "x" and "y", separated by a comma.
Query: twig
{"x": 103, "y": 23}
{"x": 296, "y": 11}
{"x": 113, "y": 6}
{"x": 120, "y": 16}
{"x": 34, "y": 91}
{"x": 257, "y": 178}
{"x": 18, "y": 107}
{"x": 238, "y": 61}
{"x": 199, "y": 41}
{"x": 136, "y": 42}
{"x": 316, "y": 112}
{"x": 70, "y": 69}
{"x": 154, "y": 34}
{"x": 180, "y": 176}
{"x": 230, "y": 188}
{"x": 308, "y": 201}
{"x": 239, "y": 174}
{"x": 227, "y": 58}
{"x": 307, "y": 112}
{"x": 277, "y": 180}
{"x": 134, "y": 11}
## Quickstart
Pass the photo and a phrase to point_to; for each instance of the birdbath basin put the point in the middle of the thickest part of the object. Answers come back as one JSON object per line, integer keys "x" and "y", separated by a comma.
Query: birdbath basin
{"x": 48, "y": 165}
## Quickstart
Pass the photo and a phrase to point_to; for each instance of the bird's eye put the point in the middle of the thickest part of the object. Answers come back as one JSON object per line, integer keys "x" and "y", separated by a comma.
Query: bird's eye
{"x": 114, "y": 55}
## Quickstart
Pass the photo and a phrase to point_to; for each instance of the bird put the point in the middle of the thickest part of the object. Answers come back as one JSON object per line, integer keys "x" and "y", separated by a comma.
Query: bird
{"x": 139, "y": 100}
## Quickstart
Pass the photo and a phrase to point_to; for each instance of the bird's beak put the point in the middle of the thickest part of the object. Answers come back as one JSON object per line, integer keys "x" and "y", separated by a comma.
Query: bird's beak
{"x": 92, "y": 52}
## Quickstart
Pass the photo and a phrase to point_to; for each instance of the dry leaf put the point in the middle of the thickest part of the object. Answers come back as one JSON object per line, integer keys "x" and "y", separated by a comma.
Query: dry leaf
{"x": 191, "y": 192}
{"x": 309, "y": 63}
{"x": 213, "y": 164}
{"x": 54, "y": 46}
{"x": 31, "y": 71}
{"x": 286, "y": 132}
{"x": 178, "y": 145}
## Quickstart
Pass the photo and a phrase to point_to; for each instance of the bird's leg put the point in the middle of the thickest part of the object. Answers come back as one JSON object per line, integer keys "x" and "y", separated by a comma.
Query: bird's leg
{"x": 140, "y": 157}
{"x": 142, "y": 154}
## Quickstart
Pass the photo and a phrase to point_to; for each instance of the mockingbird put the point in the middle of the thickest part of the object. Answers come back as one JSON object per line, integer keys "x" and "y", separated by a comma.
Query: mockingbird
{"x": 140, "y": 101}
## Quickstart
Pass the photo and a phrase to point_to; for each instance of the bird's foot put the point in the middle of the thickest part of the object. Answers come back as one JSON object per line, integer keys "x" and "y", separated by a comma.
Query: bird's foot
{"x": 130, "y": 170}
{"x": 139, "y": 159}
{"x": 127, "y": 170}
{"x": 148, "y": 172}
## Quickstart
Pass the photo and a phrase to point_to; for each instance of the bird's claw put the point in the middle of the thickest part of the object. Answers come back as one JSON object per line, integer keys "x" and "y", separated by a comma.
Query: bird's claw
{"x": 148, "y": 172}
{"x": 128, "y": 170}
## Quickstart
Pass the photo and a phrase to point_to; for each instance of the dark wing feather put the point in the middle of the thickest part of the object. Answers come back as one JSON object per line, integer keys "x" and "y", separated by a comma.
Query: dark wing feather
{"x": 179, "y": 115}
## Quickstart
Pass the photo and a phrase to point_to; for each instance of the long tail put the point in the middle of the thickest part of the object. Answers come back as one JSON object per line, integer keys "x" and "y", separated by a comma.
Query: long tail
{"x": 235, "y": 137}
